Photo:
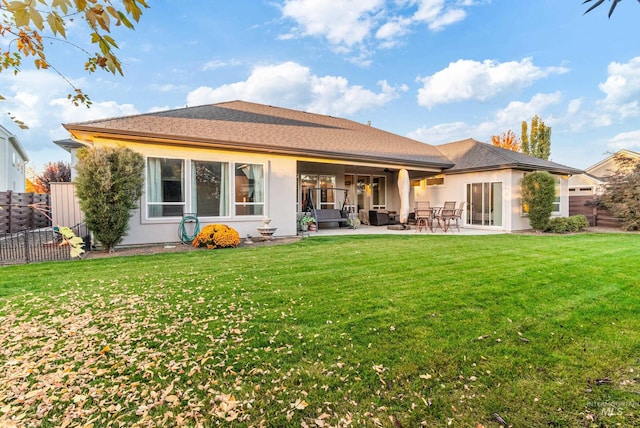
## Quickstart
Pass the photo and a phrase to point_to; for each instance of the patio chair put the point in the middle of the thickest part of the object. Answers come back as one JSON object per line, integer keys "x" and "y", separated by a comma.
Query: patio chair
{"x": 424, "y": 216}
{"x": 379, "y": 218}
{"x": 457, "y": 215}
{"x": 446, "y": 214}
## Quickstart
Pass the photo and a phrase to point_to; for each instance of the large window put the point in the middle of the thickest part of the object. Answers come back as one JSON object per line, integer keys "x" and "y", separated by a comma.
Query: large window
{"x": 176, "y": 187}
{"x": 210, "y": 188}
{"x": 249, "y": 189}
{"x": 484, "y": 204}
{"x": 317, "y": 190}
{"x": 165, "y": 187}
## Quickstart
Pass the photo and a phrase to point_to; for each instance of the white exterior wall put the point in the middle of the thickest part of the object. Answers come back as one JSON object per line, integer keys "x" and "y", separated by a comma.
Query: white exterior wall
{"x": 513, "y": 219}
{"x": 280, "y": 196}
{"x": 12, "y": 164}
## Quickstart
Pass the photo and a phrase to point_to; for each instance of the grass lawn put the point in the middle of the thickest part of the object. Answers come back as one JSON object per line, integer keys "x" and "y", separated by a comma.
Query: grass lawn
{"x": 402, "y": 331}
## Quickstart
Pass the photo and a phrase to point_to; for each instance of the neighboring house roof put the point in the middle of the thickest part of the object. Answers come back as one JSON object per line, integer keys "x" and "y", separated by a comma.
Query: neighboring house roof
{"x": 603, "y": 168}
{"x": 68, "y": 144}
{"x": 593, "y": 178}
{"x": 241, "y": 125}
{"x": 471, "y": 155}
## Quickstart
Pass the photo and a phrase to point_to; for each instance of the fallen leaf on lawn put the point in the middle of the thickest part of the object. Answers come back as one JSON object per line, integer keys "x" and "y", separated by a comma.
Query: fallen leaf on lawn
{"x": 379, "y": 368}
{"x": 299, "y": 404}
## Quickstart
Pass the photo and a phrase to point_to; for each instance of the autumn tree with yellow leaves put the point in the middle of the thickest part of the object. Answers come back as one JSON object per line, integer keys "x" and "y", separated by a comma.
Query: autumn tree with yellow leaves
{"x": 536, "y": 140}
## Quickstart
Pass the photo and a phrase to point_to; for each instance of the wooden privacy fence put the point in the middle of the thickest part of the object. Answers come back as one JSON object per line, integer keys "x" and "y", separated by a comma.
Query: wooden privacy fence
{"x": 16, "y": 215}
{"x": 597, "y": 216}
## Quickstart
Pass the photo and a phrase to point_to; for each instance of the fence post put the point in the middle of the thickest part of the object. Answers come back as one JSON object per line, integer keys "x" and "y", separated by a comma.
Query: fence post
{"x": 10, "y": 203}
{"x": 26, "y": 247}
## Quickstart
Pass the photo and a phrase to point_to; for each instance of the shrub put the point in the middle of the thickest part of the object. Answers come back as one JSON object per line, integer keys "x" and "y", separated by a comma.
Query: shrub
{"x": 538, "y": 193}
{"x": 217, "y": 236}
{"x": 574, "y": 223}
{"x": 109, "y": 185}
{"x": 580, "y": 222}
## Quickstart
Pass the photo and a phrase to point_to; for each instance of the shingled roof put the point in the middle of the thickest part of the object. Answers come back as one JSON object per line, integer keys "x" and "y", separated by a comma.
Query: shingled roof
{"x": 248, "y": 126}
{"x": 240, "y": 125}
{"x": 471, "y": 155}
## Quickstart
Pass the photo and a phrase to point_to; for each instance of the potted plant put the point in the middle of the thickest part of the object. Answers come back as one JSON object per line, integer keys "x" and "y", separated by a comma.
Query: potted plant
{"x": 307, "y": 222}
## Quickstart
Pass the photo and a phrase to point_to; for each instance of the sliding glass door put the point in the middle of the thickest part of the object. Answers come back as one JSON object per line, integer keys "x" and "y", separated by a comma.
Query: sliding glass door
{"x": 484, "y": 204}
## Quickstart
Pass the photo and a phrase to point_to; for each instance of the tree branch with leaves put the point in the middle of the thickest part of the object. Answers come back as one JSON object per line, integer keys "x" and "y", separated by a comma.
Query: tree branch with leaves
{"x": 597, "y": 3}
{"x": 27, "y": 23}
{"x": 506, "y": 140}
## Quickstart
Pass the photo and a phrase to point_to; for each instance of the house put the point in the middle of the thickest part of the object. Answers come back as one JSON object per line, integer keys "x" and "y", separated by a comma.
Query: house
{"x": 594, "y": 178}
{"x": 13, "y": 161}
{"x": 238, "y": 162}
{"x": 586, "y": 187}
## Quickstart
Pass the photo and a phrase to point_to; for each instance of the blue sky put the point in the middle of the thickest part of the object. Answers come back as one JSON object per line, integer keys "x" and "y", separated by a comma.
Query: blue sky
{"x": 434, "y": 70}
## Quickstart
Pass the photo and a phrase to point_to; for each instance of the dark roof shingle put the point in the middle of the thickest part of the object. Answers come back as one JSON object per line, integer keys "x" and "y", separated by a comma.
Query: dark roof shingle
{"x": 471, "y": 155}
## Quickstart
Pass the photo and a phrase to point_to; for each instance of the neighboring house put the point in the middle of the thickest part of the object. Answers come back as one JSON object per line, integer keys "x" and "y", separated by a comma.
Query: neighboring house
{"x": 586, "y": 187}
{"x": 13, "y": 159}
{"x": 238, "y": 162}
{"x": 594, "y": 178}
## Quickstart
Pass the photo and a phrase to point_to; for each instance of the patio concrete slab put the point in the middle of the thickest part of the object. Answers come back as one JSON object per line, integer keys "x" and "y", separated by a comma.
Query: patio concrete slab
{"x": 382, "y": 230}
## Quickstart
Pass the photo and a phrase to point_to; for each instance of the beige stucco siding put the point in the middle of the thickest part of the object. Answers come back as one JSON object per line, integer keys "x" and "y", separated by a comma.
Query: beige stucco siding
{"x": 280, "y": 194}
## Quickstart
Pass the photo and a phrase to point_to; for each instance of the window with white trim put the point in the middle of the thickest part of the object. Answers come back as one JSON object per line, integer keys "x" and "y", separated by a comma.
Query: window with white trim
{"x": 177, "y": 186}
{"x": 249, "y": 189}
{"x": 210, "y": 188}
{"x": 165, "y": 187}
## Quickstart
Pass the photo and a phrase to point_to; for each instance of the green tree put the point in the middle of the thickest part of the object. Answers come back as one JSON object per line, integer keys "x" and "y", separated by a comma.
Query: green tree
{"x": 109, "y": 185}
{"x": 622, "y": 193}
{"x": 538, "y": 142}
{"x": 26, "y": 24}
{"x": 538, "y": 194}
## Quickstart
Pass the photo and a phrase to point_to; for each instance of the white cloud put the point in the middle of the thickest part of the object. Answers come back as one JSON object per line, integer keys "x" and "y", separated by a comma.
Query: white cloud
{"x": 517, "y": 111}
{"x": 472, "y": 80}
{"x": 394, "y": 28}
{"x": 38, "y": 98}
{"x": 68, "y": 113}
{"x": 510, "y": 117}
{"x": 342, "y": 23}
{"x": 365, "y": 25}
{"x": 442, "y": 133}
{"x": 167, "y": 87}
{"x": 292, "y": 85}
{"x": 437, "y": 14}
{"x": 622, "y": 89}
{"x": 626, "y": 140}
{"x": 623, "y": 83}
{"x": 575, "y": 105}
{"x": 216, "y": 64}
